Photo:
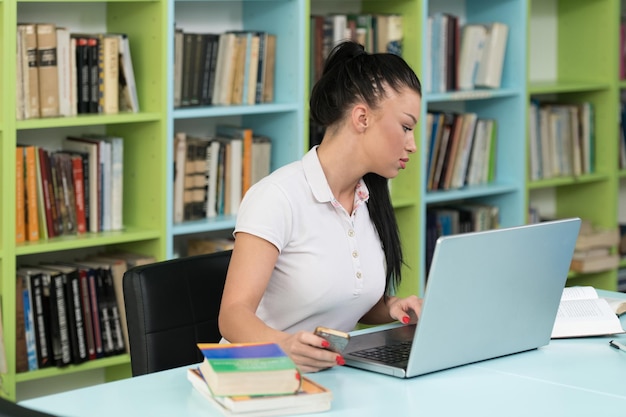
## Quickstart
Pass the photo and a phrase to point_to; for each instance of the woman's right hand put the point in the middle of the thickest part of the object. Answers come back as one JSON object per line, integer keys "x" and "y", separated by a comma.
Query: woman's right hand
{"x": 309, "y": 352}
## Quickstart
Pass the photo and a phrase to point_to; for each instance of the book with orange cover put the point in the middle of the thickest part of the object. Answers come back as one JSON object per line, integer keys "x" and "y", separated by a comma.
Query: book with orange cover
{"x": 20, "y": 213}
{"x": 32, "y": 221}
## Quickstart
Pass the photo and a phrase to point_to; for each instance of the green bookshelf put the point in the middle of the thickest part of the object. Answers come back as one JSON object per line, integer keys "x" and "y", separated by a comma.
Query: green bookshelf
{"x": 573, "y": 58}
{"x": 144, "y": 136}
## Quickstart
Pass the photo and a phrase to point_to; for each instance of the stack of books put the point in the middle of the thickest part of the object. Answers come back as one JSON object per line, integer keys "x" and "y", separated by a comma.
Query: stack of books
{"x": 255, "y": 379}
{"x": 595, "y": 249}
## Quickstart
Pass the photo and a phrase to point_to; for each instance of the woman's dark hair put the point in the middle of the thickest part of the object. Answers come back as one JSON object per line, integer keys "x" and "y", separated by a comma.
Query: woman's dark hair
{"x": 351, "y": 75}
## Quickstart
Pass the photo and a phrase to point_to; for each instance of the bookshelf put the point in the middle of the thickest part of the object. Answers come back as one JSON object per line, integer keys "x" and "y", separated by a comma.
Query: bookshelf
{"x": 573, "y": 58}
{"x": 506, "y": 105}
{"x": 282, "y": 120}
{"x": 144, "y": 165}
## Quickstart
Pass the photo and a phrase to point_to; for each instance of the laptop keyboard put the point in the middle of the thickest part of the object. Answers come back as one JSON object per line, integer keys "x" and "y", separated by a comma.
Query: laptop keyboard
{"x": 387, "y": 354}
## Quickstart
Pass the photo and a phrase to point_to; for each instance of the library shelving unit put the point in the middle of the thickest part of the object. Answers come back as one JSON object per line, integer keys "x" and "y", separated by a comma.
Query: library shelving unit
{"x": 282, "y": 120}
{"x": 573, "y": 57}
{"x": 505, "y": 105}
{"x": 144, "y": 136}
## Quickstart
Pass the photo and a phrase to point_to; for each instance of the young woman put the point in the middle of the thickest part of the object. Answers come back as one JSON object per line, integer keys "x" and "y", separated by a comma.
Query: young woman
{"x": 316, "y": 242}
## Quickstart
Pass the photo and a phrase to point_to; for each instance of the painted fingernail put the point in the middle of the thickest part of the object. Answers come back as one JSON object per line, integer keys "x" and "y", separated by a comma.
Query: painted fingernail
{"x": 325, "y": 343}
{"x": 405, "y": 319}
{"x": 340, "y": 360}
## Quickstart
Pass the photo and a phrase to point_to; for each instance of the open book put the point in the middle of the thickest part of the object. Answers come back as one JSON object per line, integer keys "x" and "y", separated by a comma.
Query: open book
{"x": 583, "y": 313}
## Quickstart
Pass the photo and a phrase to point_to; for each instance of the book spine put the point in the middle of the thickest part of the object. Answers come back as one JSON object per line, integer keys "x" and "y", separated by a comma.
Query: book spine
{"x": 20, "y": 196}
{"x": 104, "y": 313}
{"x": 79, "y": 193}
{"x": 82, "y": 75}
{"x": 108, "y": 74}
{"x": 95, "y": 313}
{"x": 32, "y": 221}
{"x": 43, "y": 358}
{"x": 44, "y": 169}
{"x": 94, "y": 76}
{"x": 58, "y": 286}
{"x": 117, "y": 337}
{"x": 21, "y": 355}
{"x": 87, "y": 316}
{"x": 48, "y": 71}
{"x": 29, "y": 328}
{"x": 117, "y": 183}
{"x": 31, "y": 79}
{"x": 75, "y": 318}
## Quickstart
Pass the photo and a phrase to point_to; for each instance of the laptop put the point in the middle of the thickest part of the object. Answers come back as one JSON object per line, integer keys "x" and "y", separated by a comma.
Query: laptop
{"x": 488, "y": 294}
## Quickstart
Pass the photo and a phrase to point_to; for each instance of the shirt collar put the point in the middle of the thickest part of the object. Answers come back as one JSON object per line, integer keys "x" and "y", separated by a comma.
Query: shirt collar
{"x": 316, "y": 179}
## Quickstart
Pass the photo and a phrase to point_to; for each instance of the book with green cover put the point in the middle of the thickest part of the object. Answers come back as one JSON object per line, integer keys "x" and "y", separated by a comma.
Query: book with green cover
{"x": 248, "y": 369}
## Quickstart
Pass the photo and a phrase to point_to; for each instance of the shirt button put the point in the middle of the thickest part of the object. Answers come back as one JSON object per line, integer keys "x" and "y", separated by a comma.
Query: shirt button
{"x": 351, "y": 233}
{"x": 358, "y": 275}
{"x": 355, "y": 254}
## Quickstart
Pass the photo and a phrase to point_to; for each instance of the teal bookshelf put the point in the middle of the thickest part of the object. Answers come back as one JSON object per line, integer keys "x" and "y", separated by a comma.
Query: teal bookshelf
{"x": 282, "y": 120}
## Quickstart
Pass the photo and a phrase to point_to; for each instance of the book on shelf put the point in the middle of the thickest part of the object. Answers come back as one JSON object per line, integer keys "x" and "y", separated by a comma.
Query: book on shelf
{"x": 20, "y": 196}
{"x": 40, "y": 304}
{"x": 489, "y": 72}
{"x": 178, "y": 66}
{"x": 248, "y": 369}
{"x": 30, "y": 185}
{"x": 66, "y": 80}
{"x": 48, "y": 70}
{"x": 472, "y": 44}
{"x": 127, "y": 92}
{"x": 91, "y": 150}
{"x": 27, "y": 36}
{"x": 25, "y": 351}
{"x": 108, "y": 73}
{"x": 180, "y": 155}
{"x": 269, "y": 69}
{"x": 582, "y": 312}
{"x": 310, "y": 398}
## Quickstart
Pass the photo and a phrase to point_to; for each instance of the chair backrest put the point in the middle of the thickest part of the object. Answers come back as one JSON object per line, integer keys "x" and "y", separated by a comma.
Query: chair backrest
{"x": 171, "y": 306}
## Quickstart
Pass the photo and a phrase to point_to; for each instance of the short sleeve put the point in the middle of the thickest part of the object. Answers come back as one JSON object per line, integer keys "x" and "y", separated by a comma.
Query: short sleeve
{"x": 266, "y": 212}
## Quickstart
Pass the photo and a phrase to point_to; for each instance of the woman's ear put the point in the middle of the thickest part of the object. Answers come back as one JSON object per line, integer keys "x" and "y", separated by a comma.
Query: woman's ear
{"x": 360, "y": 117}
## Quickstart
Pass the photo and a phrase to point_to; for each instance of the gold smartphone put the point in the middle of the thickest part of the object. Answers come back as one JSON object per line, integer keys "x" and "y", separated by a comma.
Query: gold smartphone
{"x": 338, "y": 340}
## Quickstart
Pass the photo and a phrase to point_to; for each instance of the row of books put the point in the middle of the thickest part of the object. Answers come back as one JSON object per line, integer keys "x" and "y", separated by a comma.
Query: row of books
{"x": 463, "y": 57}
{"x": 223, "y": 69}
{"x": 72, "y": 312}
{"x": 74, "y": 190}
{"x": 61, "y": 73}
{"x": 213, "y": 173}
{"x": 255, "y": 379}
{"x": 454, "y": 219}
{"x": 461, "y": 150}
{"x": 561, "y": 139}
{"x": 376, "y": 32}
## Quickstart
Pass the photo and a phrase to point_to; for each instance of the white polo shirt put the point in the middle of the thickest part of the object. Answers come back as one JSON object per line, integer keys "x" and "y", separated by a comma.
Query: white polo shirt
{"x": 331, "y": 267}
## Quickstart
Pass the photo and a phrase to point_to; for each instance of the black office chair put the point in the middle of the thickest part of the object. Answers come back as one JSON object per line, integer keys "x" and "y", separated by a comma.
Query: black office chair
{"x": 171, "y": 306}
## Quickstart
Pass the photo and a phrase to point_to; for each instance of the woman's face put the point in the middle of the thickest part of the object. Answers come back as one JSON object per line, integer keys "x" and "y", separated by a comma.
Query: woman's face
{"x": 390, "y": 136}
